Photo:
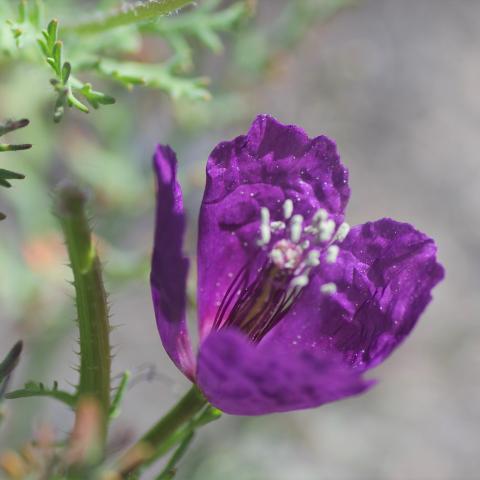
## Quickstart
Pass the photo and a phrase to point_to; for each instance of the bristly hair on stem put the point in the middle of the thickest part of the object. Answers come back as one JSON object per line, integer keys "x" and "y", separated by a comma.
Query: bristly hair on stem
{"x": 91, "y": 300}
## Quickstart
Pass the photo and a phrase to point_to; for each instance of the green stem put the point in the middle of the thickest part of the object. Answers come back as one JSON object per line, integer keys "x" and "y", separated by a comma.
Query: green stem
{"x": 183, "y": 412}
{"x": 91, "y": 299}
{"x": 171, "y": 468}
{"x": 11, "y": 125}
{"x": 117, "y": 399}
{"x": 60, "y": 395}
{"x": 128, "y": 15}
{"x": 5, "y": 147}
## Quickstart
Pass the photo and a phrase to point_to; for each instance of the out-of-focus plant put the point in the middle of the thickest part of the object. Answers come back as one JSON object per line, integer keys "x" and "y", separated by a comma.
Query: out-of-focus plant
{"x": 71, "y": 43}
{"x": 7, "y": 175}
{"x": 115, "y": 47}
{"x": 260, "y": 51}
{"x": 132, "y": 45}
{"x": 83, "y": 453}
{"x": 110, "y": 44}
{"x": 258, "y": 55}
{"x": 6, "y": 368}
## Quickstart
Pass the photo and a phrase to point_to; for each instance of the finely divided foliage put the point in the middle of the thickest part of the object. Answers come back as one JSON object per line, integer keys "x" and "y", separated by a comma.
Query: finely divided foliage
{"x": 104, "y": 43}
{"x": 7, "y": 175}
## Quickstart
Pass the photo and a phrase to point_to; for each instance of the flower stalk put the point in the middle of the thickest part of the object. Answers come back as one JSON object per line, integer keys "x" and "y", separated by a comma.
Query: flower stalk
{"x": 91, "y": 301}
{"x": 165, "y": 434}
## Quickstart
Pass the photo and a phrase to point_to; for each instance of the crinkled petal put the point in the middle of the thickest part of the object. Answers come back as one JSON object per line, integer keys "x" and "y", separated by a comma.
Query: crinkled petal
{"x": 169, "y": 265}
{"x": 384, "y": 275}
{"x": 241, "y": 378}
{"x": 271, "y": 163}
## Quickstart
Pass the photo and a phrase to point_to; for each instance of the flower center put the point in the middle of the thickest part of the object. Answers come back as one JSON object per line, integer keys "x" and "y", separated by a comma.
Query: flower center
{"x": 286, "y": 255}
{"x": 293, "y": 252}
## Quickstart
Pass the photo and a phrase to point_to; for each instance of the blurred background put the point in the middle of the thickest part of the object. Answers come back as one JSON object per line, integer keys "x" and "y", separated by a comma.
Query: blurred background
{"x": 395, "y": 83}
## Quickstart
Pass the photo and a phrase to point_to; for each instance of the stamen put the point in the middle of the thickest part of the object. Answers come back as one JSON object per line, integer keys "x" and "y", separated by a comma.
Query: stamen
{"x": 305, "y": 244}
{"x": 300, "y": 281}
{"x": 265, "y": 215}
{"x": 277, "y": 256}
{"x": 313, "y": 258}
{"x": 328, "y": 288}
{"x": 311, "y": 230}
{"x": 342, "y": 232}
{"x": 332, "y": 253}
{"x": 277, "y": 226}
{"x": 321, "y": 215}
{"x": 256, "y": 306}
{"x": 326, "y": 228}
{"x": 296, "y": 228}
{"x": 265, "y": 234}
{"x": 261, "y": 304}
{"x": 287, "y": 208}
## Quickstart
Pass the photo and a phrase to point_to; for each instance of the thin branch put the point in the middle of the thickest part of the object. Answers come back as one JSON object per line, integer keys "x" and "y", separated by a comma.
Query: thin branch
{"x": 129, "y": 14}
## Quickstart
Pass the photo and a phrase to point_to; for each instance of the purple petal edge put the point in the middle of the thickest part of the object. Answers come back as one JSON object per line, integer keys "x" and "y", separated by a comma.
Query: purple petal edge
{"x": 244, "y": 379}
{"x": 169, "y": 266}
{"x": 401, "y": 267}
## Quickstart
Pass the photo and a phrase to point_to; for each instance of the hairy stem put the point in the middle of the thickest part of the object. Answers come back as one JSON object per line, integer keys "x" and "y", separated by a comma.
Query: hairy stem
{"x": 129, "y": 14}
{"x": 91, "y": 300}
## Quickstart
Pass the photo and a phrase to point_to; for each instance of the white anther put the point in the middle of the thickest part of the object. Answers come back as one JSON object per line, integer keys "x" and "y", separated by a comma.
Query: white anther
{"x": 287, "y": 208}
{"x": 311, "y": 229}
{"x": 300, "y": 281}
{"x": 296, "y": 228}
{"x": 265, "y": 215}
{"x": 277, "y": 256}
{"x": 342, "y": 232}
{"x": 321, "y": 215}
{"x": 305, "y": 244}
{"x": 328, "y": 288}
{"x": 313, "y": 258}
{"x": 277, "y": 226}
{"x": 332, "y": 253}
{"x": 265, "y": 234}
{"x": 326, "y": 230}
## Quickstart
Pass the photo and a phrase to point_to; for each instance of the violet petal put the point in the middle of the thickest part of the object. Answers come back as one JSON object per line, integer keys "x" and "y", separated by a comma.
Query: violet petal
{"x": 169, "y": 266}
{"x": 384, "y": 274}
{"x": 271, "y": 163}
{"x": 241, "y": 378}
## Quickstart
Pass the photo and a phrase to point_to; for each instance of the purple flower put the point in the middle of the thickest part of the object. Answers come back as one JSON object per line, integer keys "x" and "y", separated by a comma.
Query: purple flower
{"x": 293, "y": 305}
